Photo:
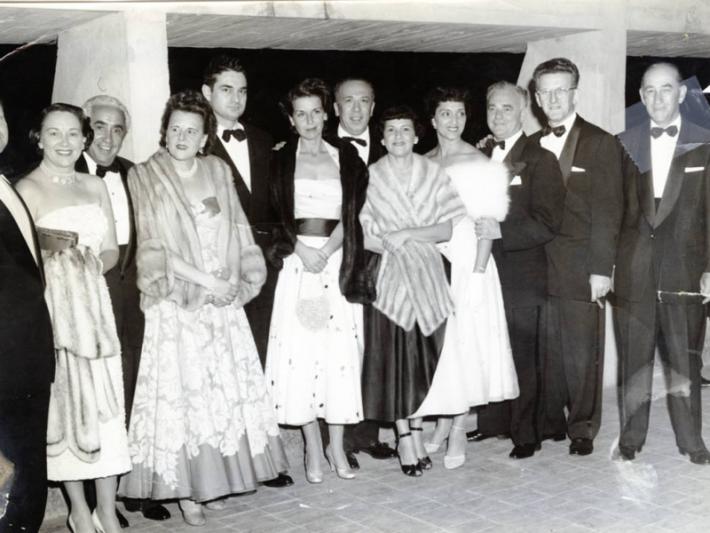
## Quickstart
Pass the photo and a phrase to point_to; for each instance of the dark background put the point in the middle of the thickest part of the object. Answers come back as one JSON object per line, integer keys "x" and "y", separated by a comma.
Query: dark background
{"x": 26, "y": 80}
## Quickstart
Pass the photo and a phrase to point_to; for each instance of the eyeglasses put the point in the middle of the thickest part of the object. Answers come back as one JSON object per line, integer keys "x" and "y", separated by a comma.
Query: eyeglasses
{"x": 559, "y": 92}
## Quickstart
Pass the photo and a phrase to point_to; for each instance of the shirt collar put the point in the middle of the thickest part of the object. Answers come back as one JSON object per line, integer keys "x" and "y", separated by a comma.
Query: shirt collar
{"x": 510, "y": 141}
{"x": 220, "y": 128}
{"x": 365, "y": 135}
{"x": 676, "y": 122}
{"x": 90, "y": 163}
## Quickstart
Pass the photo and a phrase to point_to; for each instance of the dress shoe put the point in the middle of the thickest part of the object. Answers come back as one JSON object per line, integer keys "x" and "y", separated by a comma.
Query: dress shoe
{"x": 412, "y": 470}
{"x": 581, "y": 447}
{"x": 557, "y": 437}
{"x": 626, "y": 454}
{"x": 523, "y": 451}
{"x": 704, "y": 382}
{"x": 192, "y": 513}
{"x": 122, "y": 521}
{"x": 148, "y": 508}
{"x": 342, "y": 472}
{"x": 378, "y": 450}
{"x": 701, "y": 457}
{"x": 282, "y": 480}
{"x": 216, "y": 505}
{"x": 477, "y": 436}
{"x": 352, "y": 460}
{"x": 98, "y": 526}
{"x": 457, "y": 434}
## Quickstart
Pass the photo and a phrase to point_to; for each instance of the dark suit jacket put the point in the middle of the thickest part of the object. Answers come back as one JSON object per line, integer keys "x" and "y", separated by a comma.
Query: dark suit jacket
{"x": 124, "y": 165}
{"x": 27, "y": 345}
{"x": 533, "y": 219}
{"x": 586, "y": 241}
{"x": 668, "y": 247}
{"x": 256, "y": 204}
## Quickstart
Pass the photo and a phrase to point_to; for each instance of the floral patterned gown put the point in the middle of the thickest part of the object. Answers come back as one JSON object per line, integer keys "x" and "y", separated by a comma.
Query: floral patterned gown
{"x": 203, "y": 423}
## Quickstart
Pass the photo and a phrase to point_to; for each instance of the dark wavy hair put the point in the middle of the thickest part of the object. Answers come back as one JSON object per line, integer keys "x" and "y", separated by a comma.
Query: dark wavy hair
{"x": 84, "y": 123}
{"x": 308, "y": 87}
{"x": 219, "y": 64}
{"x": 191, "y": 102}
{"x": 400, "y": 112}
{"x": 447, "y": 94}
{"x": 557, "y": 65}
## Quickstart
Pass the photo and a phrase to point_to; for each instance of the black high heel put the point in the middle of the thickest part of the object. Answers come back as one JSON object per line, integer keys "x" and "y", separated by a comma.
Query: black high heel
{"x": 408, "y": 470}
{"x": 424, "y": 462}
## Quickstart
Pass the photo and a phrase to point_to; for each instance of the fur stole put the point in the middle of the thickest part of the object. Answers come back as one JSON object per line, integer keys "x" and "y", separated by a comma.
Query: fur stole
{"x": 411, "y": 284}
{"x": 356, "y": 282}
{"x": 165, "y": 226}
{"x": 482, "y": 185}
{"x": 84, "y": 336}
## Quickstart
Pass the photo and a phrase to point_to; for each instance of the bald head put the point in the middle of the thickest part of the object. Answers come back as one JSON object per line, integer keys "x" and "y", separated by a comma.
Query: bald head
{"x": 662, "y": 93}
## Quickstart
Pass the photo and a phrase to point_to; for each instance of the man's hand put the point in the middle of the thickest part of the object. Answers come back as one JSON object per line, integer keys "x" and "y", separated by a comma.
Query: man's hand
{"x": 705, "y": 286}
{"x": 487, "y": 228}
{"x": 599, "y": 285}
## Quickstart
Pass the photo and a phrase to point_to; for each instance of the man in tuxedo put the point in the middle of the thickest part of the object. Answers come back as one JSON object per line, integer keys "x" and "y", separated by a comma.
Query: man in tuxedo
{"x": 662, "y": 275}
{"x": 247, "y": 151}
{"x": 537, "y": 195}
{"x": 110, "y": 122}
{"x": 26, "y": 364}
{"x": 354, "y": 105}
{"x": 580, "y": 257}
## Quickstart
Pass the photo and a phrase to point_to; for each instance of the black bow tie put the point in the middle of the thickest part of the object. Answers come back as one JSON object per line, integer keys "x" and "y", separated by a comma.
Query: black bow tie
{"x": 670, "y": 130}
{"x": 357, "y": 140}
{"x": 499, "y": 144}
{"x": 558, "y": 131}
{"x": 101, "y": 170}
{"x": 239, "y": 134}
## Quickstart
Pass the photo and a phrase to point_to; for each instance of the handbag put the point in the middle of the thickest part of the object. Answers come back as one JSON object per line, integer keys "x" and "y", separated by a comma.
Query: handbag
{"x": 312, "y": 304}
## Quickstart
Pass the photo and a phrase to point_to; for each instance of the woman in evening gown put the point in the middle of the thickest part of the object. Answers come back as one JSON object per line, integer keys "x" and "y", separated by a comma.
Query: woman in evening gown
{"x": 476, "y": 365}
{"x": 315, "y": 340}
{"x": 86, "y": 437}
{"x": 202, "y": 425}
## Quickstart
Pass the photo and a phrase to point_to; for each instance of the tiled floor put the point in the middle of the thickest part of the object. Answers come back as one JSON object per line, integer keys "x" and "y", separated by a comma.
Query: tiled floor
{"x": 553, "y": 491}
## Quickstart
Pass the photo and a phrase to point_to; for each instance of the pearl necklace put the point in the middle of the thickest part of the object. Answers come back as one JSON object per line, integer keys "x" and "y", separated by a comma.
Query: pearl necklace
{"x": 60, "y": 179}
{"x": 188, "y": 173}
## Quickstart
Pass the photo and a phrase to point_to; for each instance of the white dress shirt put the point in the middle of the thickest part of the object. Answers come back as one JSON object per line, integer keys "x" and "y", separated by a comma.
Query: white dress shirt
{"x": 9, "y": 197}
{"x": 362, "y": 151}
{"x": 555, "y": 144}
{"x": 119, "y": 201}
{"x": 238, "y": 152}
{"x": 498, "y": 154}
{"x": 662, "y": 150}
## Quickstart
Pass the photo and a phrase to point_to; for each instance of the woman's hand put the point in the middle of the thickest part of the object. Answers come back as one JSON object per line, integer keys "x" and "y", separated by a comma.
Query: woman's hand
{"x": 394, "y": 241}
{"x": 222, "y": 291}
{"x": 314, "y": 260}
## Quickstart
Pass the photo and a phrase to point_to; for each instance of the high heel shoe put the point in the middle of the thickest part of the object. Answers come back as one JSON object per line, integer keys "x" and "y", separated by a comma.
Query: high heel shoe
{"x": 70, "y": 524}
{"x": 192, "y": 513}
{"x": 455, "y": 461}
{"x": 216, "y": 505}
{"x": 312, "y": 476}
{"x": 343, "y": 473}
{"x": 423, "y": 462}
{"x": 414, "y": 470}
{"x": 97, "y": 523}
{"x": 433, "y": 447}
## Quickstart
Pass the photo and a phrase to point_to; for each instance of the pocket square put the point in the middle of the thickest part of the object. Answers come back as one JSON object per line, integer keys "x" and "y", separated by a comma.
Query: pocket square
{"x": 516, "y": 181}
{"x": 577, "y": 169}
{"x": 694, "y": 169}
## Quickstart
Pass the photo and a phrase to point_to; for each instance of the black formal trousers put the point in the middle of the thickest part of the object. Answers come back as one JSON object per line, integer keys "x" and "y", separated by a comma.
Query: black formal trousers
{"x": 679, "y": 331}
{"x": 573, "y": 368}
{"x": 23, "y": 441}
{"x": 130, "y": 323}
{"x": 519, "y": 417}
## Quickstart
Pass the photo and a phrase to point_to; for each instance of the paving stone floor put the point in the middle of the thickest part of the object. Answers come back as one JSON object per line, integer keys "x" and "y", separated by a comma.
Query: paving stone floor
{"x": 659, "y": 492}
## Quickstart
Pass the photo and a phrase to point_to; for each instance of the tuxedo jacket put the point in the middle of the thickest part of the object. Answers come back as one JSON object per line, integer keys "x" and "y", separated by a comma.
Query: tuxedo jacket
{"x": 27, "y": 345}
{"x": 537, "y": 195}
{"x": 586, "y": 242}
{"x": 124, "y": 165}
{"x": 668, "y": 246}
{"x": 256, "y": 203}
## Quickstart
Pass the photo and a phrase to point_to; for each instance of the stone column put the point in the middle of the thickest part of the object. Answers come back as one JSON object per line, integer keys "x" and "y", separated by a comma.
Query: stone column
{"x": 124, "y": 55}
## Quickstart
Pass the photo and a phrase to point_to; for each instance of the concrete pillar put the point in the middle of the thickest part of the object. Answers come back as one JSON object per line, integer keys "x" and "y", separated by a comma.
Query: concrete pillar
{"x": 601, "y": 59}
{"x": 124, "y": 55}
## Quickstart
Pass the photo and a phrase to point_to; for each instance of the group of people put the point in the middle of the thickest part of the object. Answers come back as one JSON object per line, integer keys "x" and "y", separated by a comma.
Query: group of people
{"x": 161, "y": 320}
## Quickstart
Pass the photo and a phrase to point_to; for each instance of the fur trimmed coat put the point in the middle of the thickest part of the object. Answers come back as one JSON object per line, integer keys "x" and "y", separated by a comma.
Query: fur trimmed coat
{"x": 165, "y": 225}
{"x": 356, "y": 282}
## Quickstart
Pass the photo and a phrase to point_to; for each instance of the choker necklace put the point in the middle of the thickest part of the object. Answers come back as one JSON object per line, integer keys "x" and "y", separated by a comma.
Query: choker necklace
{"x": 188, "y": 173}
{"x": 61, "y": 179}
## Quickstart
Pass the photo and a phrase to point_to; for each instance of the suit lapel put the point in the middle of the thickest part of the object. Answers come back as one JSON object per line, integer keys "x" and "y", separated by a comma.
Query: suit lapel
{"x": 674, "y": 180}
{"x": 131, "y": 248}
{"x": 18, "y": 246}
{"x": 516, "y": 151}
{"x": 570, "y": 149}
{"x": 242, "y": 190}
